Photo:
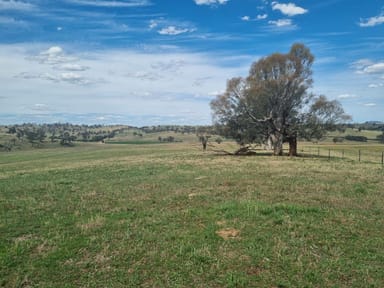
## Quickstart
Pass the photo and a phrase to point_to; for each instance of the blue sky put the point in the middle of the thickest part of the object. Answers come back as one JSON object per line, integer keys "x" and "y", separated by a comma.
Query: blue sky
{"x": 151, "y": 62}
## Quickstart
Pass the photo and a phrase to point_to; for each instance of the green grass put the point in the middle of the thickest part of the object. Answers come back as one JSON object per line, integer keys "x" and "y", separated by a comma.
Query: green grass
{"x": 154, "y": 215}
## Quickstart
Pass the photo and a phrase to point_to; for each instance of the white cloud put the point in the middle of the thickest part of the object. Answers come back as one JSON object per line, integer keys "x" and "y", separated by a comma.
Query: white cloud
{"x": 375, "y": 85}
{"x": 361, "y": 64}
{"x": 153, "y": 24}
{"x": 262, "y": 16}
{"x": 371, "y": 22}
{"x": 101, "y": 3}
{"x": 210, "y": 2}
{"x": 173, "y": 30}
{"x": 53, "y": 59}
{"x": 53, "y": 56}
{"x": 74, "y": 78}
{"x": 258, "y": 17}
{"x": 370, "y": 104}
{"x": 281, "y": 23}
{"x": 15, "y": 5}
{"x": 377, "y": 68}
{"x": 367, "y": 66}
{"x": 124, "y": 82}
{"x": 54, "y": 50}
{"x": 289, "y": 9}
{"x": 346, "y": 96}
{"x": 72, "y": 67}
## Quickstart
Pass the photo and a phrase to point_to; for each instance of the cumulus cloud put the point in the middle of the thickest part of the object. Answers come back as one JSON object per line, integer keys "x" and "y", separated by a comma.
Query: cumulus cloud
{"x": 173, "y": 30}
{"x": 370, "y": 104}
{"x": 262, "y": 16}
{"x": 289, "y": 9}
{"x": 371, "y": 22}
{"x": 55, "y": 58}
{"x": 54, "y": 55}
{"x": 210, "y": 2}
{"x": 15, "y": 5}
{"x": 128, "y": 82}
{"x": 72, "y": 67}
{"x": 245, "y": 18}
{"x": 377, "y": 68}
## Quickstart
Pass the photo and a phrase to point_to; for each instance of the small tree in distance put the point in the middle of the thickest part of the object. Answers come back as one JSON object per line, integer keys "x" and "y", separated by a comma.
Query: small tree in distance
{"x": 272, "y": 105}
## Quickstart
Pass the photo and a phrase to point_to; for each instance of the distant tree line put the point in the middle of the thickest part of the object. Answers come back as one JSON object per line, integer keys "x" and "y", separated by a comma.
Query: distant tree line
{"x": 369, "y": 125}
{"x": 63, "y": 133}
{"x": 183, "y": 129}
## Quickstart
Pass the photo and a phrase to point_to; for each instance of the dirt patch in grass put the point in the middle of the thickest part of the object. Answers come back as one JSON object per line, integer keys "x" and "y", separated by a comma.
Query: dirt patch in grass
{"x": 228, "y": 233}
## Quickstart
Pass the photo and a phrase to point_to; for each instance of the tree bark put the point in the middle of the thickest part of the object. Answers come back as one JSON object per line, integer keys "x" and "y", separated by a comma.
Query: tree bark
{"x": 292, "y": 145}
{"x": 277, "y": 143}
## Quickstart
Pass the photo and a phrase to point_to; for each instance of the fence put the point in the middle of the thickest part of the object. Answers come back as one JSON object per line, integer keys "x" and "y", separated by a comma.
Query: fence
{"x": 358, "y": 154}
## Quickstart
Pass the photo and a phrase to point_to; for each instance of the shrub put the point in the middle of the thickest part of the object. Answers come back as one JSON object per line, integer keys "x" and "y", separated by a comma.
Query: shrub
{"x": 356, "y": 138}
{"x": 337, "y": 139}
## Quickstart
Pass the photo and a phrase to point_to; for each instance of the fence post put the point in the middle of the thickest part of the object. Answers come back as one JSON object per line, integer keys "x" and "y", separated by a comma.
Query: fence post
{"x": 382, "y": 158}
{"x": 318, "y": 151}
{"x": 329, "y": 154}
{"x": 342, "y": 154}
{"x": 359, "y": 155}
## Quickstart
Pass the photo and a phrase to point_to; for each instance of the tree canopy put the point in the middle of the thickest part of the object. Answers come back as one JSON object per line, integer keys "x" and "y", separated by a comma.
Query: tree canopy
{"x": 273, "y": 104}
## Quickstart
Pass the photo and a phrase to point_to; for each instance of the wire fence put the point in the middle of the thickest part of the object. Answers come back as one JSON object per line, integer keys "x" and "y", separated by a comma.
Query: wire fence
{"x": 357, "y": 154}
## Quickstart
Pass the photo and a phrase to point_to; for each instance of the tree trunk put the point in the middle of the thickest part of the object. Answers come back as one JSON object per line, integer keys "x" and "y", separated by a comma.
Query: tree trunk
{"x": 292, "y": 145}
{"x": 277, "y": 143}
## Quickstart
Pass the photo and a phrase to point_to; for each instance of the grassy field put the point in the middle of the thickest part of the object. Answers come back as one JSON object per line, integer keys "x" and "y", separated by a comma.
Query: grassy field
{"x": 170, "y": 215}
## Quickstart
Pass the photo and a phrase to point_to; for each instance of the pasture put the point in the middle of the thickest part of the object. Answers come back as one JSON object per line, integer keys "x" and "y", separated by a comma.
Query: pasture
{"x": 170, "y": 215}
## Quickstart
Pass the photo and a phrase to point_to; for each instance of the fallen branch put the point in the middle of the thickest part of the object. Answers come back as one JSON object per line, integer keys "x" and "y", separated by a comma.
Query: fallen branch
{"x": 242, "y": 151}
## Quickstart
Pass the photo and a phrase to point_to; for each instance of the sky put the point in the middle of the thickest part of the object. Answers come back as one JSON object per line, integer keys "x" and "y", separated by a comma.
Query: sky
{"x": 154, "y": 62}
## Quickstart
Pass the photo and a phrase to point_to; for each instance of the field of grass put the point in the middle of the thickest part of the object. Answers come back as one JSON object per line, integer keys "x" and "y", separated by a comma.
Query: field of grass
{"x": 370, "y": 134}
{"x": 353, "y": 151}
{"x": 170, "y": 215}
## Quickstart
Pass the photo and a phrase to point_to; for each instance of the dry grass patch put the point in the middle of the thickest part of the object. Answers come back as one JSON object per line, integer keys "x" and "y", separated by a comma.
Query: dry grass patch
{"x": 228, "y": 233}
{"x": 93, "y": 223}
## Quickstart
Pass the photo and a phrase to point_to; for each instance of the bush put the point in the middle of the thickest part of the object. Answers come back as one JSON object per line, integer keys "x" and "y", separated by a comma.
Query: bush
{"x": 380, "y": 138}
{"x": 337, "y": 139}
{"x": 356, "y": 138}
{"x": 218, "y": 140}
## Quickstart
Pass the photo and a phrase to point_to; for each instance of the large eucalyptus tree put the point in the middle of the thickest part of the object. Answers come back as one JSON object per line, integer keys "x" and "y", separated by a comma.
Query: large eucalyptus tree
{"x": 273, "y": 104}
